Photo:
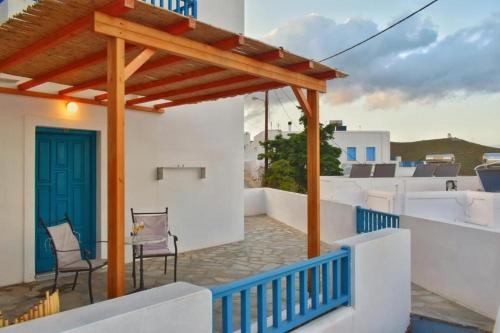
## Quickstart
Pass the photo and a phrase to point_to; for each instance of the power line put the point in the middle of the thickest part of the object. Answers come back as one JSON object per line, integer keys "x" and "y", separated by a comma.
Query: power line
{"x": 282, "y": 106}
{"x": 380, "y": 32}
{"x": 288, "y": 96}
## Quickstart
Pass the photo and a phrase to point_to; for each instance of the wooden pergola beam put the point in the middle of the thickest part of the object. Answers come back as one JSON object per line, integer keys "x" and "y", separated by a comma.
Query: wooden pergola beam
{"x": 141, "y": 35}
{"x": 168, "y": 80}
{"x": 200, "y": 87}
{"x": 267, "y": 56}
{"x": 313, "y": 176}
{"x": 117, "y": 7}
{"x": 138, "y": 61}
{"x": 302, "y": 99}
{"x": 179, "y": 28}
{"x": 37, "y": 94}
{"x": 187, "y": 90}
{"x": 225, "y": 44}
{"x": 222, "y": 94}
{"x": 116, "y": 168}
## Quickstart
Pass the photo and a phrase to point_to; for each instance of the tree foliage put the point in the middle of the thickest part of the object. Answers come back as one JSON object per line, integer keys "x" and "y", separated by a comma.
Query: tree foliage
{"x": 288, "y": 158}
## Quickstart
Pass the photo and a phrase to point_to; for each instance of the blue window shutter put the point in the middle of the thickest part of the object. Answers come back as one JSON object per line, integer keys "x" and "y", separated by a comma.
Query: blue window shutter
{"x": 370, "y": 154}
{"x": 351, "y": 153}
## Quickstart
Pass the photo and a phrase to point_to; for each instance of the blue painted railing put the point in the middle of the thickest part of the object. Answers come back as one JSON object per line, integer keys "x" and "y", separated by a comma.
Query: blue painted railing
{"x": 330, "y": 287}
{"x": 184, "y": 7}
{"x": 368, "y": 220}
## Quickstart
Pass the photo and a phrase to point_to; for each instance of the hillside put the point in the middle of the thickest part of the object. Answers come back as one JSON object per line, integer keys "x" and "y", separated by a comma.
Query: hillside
{"x": 467, "y": 153}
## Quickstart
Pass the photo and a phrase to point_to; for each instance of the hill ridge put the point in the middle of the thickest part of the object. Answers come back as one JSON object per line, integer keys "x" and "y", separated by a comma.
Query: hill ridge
{"x": 467, "y": 153}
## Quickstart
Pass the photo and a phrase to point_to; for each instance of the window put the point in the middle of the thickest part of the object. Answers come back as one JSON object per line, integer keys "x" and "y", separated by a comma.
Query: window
{"x": 351, "y": 153}
{"x": 370, "y": 154}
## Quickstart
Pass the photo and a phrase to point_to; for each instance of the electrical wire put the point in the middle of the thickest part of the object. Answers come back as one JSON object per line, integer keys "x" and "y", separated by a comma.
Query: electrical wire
{"x": 282, "y": 106}
{"x": 380, "y": 32}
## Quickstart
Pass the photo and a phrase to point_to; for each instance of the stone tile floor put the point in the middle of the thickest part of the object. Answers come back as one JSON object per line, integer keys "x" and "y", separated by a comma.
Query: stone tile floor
{"x": 268, "y": 244}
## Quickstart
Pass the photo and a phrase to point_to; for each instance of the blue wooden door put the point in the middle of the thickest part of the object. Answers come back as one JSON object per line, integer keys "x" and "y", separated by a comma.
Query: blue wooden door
{"x": 65, "y": 184}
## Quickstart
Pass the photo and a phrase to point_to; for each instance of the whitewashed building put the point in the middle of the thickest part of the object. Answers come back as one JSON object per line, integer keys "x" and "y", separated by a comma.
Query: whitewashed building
{"x": 207, "y": 135}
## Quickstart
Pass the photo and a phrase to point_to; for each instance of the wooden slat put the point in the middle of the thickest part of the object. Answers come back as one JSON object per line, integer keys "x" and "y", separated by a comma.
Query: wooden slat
{"x": 225, "y": 44}
{"x": 168, "y": 80}
{"x": 178, "y": 28}
{"x": 267, "y": 56}
{"x": 116, "y": 7}
{"x": 181, "y": 91}
{"x": 116, "y": 168}
{"x": 197, "y": 51}
{"x": 313, "y": 174}
{"x": 12, "y": 91}
{"x": 223, "y": 94}
{"x": 195, "y": 88}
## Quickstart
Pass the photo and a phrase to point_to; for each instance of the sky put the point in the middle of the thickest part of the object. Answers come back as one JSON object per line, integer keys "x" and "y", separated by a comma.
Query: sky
{"x": 435, "y": 74}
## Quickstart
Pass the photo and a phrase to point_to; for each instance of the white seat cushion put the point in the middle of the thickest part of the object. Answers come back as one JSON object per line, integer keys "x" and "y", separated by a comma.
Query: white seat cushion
{"x": 83, "y": 265}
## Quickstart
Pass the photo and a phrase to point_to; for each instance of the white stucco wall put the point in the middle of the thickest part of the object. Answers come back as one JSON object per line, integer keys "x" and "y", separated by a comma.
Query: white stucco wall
{"x": 381, "y": 274}
{"x": 164, "y": 309}
{"x": 458, "y": 261}
{"x": 381, "y": 140}
{"x": 207, "y": 134}
{"x": 337, "y": 219}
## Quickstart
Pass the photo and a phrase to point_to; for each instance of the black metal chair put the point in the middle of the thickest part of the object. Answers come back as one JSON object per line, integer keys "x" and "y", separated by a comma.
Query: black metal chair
{"x": 68, "y": 254}
{"x": 154, "y": 224}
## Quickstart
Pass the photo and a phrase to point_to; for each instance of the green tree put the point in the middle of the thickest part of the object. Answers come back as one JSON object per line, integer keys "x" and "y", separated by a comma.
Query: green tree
{"x": 281, "y": 175}
{"x": 288, "y": 158}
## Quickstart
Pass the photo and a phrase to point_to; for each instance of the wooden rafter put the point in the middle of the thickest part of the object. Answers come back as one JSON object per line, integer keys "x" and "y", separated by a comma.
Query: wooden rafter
{"x": 267, "y": 56}
{"x": 302, "y": 99}
{"x": 187, "y": 90}
{"x": 221, "y": 83}
{"x": 230, "y": 93}
{"x": 117, "y": 7}
{"x": 222, "y": 94}
{"x": 179, "y": 28}
{"x": 12, "y": 91}
{"x": 226, "y": 44}
{"x": 141, "y": 35}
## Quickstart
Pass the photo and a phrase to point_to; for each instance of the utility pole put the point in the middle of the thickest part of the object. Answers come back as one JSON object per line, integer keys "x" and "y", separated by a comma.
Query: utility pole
{"x": 266, "y": 129}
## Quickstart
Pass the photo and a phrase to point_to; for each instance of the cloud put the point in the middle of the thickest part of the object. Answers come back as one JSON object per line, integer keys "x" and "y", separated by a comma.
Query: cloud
{"x": 408, "y": 63}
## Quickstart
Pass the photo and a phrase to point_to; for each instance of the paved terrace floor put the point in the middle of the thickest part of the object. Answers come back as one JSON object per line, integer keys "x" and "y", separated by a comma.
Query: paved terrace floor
{"x": 268, "y": 244}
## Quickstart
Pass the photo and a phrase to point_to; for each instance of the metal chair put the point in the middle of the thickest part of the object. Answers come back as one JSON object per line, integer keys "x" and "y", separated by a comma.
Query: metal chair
{"x": 154, "y": 224}
{"x": 69, "y": 256}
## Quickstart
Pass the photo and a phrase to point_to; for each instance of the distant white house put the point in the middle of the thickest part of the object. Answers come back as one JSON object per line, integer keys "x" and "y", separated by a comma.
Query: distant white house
{"x": 356, "y": 146}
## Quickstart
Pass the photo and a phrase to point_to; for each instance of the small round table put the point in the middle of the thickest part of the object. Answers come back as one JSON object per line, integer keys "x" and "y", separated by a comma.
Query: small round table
{"x": 141, "y": 240}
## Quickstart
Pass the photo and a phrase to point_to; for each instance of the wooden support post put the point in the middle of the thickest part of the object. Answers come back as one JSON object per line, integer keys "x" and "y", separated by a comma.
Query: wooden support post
{"x": 313, "y": 173}
{"x": 116, "y": 167}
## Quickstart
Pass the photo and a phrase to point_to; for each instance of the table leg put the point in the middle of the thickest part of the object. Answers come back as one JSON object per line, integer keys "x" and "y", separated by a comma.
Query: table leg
{"x": 141, "y": 270}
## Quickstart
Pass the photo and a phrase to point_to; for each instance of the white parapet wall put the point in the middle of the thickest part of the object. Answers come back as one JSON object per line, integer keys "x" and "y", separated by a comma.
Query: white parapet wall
{"x": 337, "y": 219}
{"x": 381, "y": 284}
{"x": 178, "y": 307}
{"x": 458, "y": 261}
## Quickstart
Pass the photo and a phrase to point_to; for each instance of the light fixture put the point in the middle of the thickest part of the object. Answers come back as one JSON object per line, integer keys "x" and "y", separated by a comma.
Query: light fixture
{"x": 71, "y": 107}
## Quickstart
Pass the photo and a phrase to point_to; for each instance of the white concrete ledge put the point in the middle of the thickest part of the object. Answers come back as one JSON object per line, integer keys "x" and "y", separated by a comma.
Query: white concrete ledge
{"x": 178, "y": 307}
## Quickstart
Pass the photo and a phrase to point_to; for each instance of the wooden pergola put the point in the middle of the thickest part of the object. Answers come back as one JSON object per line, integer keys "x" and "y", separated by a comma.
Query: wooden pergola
{"x": 136, "y": 54}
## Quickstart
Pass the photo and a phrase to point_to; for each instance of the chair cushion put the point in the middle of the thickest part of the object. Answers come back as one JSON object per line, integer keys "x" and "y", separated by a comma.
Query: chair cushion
{"x": 82, "y": 265}
{"x": 156, "y": 252}
{"x": 154, "y": 225}
{"x": 65, "y": 240}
